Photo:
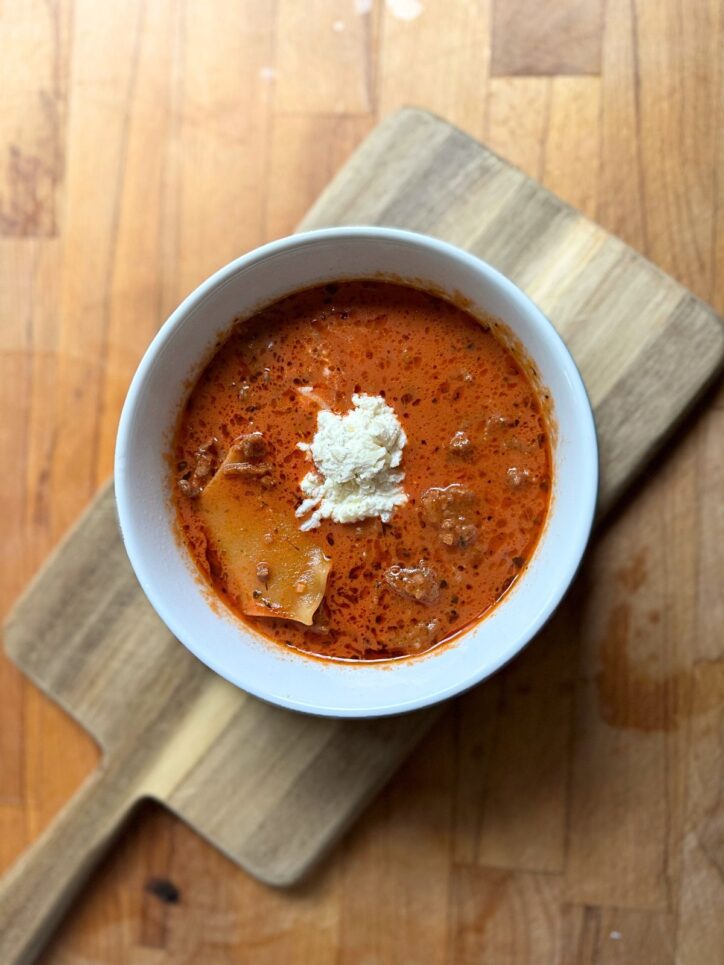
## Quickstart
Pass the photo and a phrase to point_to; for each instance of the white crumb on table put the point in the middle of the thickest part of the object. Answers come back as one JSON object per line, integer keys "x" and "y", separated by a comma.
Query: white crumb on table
{"x": 404, "y": 9}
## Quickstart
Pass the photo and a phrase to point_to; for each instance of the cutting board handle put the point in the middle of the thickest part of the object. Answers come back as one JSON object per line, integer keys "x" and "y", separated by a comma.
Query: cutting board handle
{"x": 38, "y": 889}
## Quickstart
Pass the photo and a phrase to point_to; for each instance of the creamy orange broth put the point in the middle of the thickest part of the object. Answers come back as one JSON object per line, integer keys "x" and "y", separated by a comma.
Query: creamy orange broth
{"x": 474, "y": 422}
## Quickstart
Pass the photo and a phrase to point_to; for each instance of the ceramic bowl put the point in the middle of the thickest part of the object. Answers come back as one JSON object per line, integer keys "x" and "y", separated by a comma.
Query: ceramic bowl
{"x": 164, "y": 567}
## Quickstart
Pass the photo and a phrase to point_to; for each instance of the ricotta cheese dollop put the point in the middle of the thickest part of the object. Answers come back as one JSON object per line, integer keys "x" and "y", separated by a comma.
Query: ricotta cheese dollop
{"x": 355, "y": 457}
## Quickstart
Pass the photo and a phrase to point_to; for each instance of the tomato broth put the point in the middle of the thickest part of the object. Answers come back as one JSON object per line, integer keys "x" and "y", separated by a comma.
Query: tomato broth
{"x": 477, "y": 470}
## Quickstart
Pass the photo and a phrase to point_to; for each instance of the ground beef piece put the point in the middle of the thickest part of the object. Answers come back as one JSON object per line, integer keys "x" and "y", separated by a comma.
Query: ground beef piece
{"x": 188, "y": 488}
{"x": 460, "y": 445}
{"x": 458, "y": 532}
{"x": 519, "y": 477}
{"x": 420, "y": 636}
{"x": 448, "y": 509}
{"x": 194, "y": 478}
{"x": 441, "y": 502}
{"x": 419, "y": 583}
{"x": 244, "y": 455}
{"x": 205, "y": 462}
{"x": 497, "y": 428}
{"x": 250, "y": 446}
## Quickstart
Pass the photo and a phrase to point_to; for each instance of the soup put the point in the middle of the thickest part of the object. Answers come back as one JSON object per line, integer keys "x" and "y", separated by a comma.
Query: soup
{"x": 362, "y": 470}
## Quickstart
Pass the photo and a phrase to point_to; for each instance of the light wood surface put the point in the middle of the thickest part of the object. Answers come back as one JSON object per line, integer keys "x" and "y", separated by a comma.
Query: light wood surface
{"x": 272, "y": 789}
{"x": 526, "y": 828}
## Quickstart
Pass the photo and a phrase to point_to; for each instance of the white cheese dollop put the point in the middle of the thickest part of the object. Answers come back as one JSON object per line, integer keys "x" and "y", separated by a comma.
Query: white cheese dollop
{"x": 356, "y": 456}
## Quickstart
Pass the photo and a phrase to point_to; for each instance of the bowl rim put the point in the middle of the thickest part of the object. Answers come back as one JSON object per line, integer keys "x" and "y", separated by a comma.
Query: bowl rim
{"x": 586, "y": 428}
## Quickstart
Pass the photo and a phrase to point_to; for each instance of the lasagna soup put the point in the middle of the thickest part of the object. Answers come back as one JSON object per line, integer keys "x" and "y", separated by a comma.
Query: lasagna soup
{"x": 362, "y": 470}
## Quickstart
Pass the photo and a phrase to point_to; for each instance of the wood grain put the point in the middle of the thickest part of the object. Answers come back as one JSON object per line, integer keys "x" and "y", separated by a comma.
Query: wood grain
{"x": 489, "y": 905}
{"x": 615, "y": 936}
{"x": 440, "y": 60}
{"x": 32, "y": 135}
{"x": 306, "y": 151}
{"x": 518, "y": 118}
{"x": 653, "y": 183}
{"x": 341, "y": 44}
{"x": 274, "y": 789}
{"x": 536, "y": 38}
{"x": 520, "y": 812}
{"x": 700, "y": 929}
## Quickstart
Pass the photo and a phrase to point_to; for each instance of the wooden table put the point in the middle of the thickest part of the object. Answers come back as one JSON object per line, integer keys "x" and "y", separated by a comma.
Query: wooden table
{"x": 146, "y": 142}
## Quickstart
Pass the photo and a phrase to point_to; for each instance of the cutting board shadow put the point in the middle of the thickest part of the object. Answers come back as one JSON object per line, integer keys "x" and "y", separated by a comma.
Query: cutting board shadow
{"x": 270, "y": 788}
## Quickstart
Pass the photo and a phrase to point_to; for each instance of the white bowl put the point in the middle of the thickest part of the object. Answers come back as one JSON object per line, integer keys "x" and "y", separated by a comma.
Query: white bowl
{"x": 165, "y": 570}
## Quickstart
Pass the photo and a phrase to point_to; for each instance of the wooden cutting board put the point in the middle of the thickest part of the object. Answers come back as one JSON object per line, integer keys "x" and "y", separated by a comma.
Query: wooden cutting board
{"x": 271, "y": 788}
